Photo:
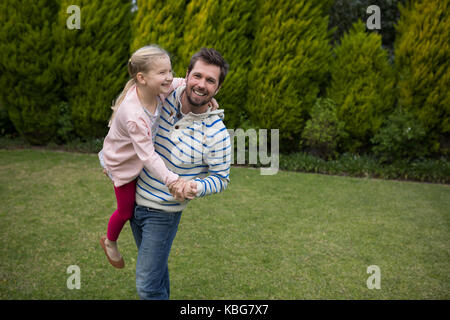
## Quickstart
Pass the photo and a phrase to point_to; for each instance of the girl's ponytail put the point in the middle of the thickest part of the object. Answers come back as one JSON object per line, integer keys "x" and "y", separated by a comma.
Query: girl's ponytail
{"x": 119, "y": 99}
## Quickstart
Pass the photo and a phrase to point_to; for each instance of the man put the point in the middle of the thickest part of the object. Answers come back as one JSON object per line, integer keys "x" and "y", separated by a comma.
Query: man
{"x": 194, "y": 143}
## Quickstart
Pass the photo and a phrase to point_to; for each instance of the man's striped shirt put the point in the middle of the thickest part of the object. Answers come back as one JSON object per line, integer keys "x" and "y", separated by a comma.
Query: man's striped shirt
{"x": 195, "y": 146}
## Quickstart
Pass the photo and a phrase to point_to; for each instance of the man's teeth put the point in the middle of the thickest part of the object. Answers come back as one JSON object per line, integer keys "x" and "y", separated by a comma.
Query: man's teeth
{"x": 199, "y": 93}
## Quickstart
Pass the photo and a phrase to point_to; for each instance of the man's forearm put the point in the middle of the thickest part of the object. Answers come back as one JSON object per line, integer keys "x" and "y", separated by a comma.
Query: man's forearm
{"x": 212, "y": 184}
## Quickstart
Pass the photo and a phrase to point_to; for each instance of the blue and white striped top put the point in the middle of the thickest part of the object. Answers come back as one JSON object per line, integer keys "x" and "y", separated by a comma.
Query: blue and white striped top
{"x": 195, "y": 146}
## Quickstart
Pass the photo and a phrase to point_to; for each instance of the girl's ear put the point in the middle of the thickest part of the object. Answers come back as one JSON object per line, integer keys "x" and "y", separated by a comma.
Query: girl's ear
{"x": 140, "y": 78}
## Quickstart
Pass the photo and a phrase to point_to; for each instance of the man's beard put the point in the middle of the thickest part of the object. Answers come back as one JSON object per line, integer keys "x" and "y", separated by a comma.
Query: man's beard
{"x": 196, "y": 104}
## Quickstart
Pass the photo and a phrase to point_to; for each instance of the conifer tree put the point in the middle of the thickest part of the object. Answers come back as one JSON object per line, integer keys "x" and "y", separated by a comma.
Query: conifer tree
{"x": 362, "y": 85}
{"x": 226, "y": 26}
{"x": 199, "y": 30}
{"x": 422, "y": 60}
{"x": 93, "y": 61}
{"x": 290, "y": 60}
{"x": 29, "y": 87}
{"x": 160, "y": 22}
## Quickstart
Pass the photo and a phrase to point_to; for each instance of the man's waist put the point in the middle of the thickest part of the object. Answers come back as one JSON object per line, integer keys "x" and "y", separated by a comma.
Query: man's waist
{"x": 158, "y": 204}
{"x": 145, "y": 208}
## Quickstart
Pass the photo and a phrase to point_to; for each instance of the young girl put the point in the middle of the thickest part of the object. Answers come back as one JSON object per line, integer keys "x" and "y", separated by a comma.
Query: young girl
{"x": 129, "y": 143}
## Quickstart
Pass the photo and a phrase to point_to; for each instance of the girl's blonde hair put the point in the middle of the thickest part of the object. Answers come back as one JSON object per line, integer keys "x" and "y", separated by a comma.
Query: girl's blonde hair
{"x": 140, "y": 61}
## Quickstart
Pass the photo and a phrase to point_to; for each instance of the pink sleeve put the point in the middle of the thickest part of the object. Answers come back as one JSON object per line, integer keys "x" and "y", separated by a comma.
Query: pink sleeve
{"x": 145, "y": 150}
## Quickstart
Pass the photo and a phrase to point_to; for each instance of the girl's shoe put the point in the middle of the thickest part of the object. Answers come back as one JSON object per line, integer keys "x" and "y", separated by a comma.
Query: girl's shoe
{"x": 117, "y": 264}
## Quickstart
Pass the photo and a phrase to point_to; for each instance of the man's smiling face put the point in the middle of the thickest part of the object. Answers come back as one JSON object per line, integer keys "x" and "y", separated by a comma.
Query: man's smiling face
{"x": 202, "y": 83}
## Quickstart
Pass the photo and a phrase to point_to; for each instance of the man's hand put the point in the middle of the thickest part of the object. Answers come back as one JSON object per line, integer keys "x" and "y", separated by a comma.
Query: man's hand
{"x": 190, "y": 190}
{"x": 182, "y": 189}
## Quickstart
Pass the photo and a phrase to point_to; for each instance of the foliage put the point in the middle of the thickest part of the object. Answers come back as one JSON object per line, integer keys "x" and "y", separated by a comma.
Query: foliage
{"x": 362, "y": 85}
{"x": 66, "y": 131}
{"x": 92, "y": 61}
{"x": 402, "y": 137}
{"x": 30, "y": 90}
{"x": 426, "y": 170}
{"x": 227, "y": 26}
{"x": 290, "y": 61}
{"x": 158, "y": 22}
{"x": 422, "y": 61}
{"x": 323, "y": 131}
{"x": 344, "y": 13}
{"x": 57, "y": 85}
{"x": 6, "y": 126}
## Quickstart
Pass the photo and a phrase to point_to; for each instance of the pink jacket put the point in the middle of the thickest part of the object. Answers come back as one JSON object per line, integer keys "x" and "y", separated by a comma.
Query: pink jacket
{"x": 128, "y": 147}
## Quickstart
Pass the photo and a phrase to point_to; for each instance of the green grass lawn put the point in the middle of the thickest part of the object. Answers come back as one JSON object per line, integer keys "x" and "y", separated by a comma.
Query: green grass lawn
{"x": 287, "y": 236}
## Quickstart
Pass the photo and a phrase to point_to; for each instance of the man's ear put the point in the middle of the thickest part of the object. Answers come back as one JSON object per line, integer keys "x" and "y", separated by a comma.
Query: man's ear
{"x": 217, "y": 90}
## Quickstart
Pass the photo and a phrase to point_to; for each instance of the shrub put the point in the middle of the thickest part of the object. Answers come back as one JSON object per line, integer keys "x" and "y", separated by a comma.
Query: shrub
{"x": 182, "y": 28}
{"x": 6, "y": 126}
{"x": 290, "y": 60}
{"x": 401, "y": 137}
{"x": 362, "y": 85}
{"x": 160, "y": 22}
{"x": 344, "y": 13}
{"x": 66, "y": 131}
{"x": 226, "y": 26}
{"x": 422, "y": 61}
{"x": 429, "y": 170}
{"x": 92, "y": 61}
{"x": 323, "y": 131}
{"x": 30, "y": 90}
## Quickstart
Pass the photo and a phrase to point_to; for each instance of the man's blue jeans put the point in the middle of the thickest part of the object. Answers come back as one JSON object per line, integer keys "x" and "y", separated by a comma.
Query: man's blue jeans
{"x": 153, "y": 231}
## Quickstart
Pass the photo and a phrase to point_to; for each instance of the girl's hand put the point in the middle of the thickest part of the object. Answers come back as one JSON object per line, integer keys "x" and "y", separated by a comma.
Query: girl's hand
{"x": 106, "y": 174}
{"x": 213, "y": 104}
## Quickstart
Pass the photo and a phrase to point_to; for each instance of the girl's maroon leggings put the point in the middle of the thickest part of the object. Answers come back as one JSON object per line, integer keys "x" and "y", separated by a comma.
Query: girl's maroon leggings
{"x": 125, "y": 195}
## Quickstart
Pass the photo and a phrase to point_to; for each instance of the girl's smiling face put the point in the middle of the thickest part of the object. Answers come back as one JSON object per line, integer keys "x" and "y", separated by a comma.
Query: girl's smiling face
{"x": 159, "y": 78}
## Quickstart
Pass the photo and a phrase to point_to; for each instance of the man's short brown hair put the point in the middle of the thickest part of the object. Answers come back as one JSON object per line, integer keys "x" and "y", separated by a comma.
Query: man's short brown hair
{"x": 210, "y": 56}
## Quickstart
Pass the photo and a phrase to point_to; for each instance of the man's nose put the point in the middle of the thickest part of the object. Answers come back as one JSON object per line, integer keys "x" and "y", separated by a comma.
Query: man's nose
{"x": 201, "y": 83}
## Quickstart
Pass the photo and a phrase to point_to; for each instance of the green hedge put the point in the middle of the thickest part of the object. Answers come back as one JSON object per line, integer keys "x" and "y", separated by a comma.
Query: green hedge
{"x": 92, "y": 61}
{"x": 362, "y": 85}
{"x": 58, "y": 84}
{"x": 160, "y": 22}
{"x": 30, "y": 91}
{"x": 291, "y": 53}
{"x": 422, "y": 61}
{"x": 426, "y": 170}
{"x": 227, "y": 27}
